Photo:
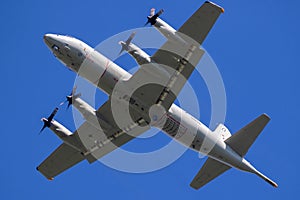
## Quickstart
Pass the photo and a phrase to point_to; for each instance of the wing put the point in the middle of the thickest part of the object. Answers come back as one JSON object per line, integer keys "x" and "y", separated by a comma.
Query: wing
{"x": 200, "y": 23}
{"x": 171, "y": 66}
{"x": 94, "y": 142}
{"x": 210, "y": 170}
{"x": 61, "y": 159}
{"x": 109, "y": 135}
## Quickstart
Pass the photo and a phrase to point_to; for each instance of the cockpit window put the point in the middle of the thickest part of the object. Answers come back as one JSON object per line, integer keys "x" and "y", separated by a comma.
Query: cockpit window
{"x": 55, "y": 48}
{"x": 67, "y": 47}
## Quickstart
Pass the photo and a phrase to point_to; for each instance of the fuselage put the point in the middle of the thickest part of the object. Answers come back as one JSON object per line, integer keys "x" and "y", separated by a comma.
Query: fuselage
{"x": 177, "y": 123}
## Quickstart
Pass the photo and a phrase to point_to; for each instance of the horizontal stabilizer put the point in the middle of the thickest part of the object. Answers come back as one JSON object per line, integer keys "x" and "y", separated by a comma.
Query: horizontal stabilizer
{"x": 210, "y": 170}
{"x": 244, "y": 138}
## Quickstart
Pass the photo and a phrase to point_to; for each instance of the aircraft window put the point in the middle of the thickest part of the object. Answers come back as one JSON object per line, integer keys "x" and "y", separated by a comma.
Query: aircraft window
{"x": 67, "y": 47}
{"x": 56, "y": 48}
{"x": 79, "y": 54}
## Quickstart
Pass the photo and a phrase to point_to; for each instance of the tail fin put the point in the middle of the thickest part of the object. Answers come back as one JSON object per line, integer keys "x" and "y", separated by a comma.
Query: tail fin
{"x": 245, "y": 137}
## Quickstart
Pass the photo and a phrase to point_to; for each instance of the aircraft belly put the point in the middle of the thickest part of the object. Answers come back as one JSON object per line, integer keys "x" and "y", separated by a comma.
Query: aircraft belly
{"x": 92, "y": 67}
{"x": 184, "y": 128}
{"x": 101, "y": 71}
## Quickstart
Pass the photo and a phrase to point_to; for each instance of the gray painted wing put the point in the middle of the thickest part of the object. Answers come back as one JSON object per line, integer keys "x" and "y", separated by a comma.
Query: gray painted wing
{"x": 117, "y": 133}
{"x": 95, "y": 142}
{"x": 200, "y": 23}
{"x": 171, "y": 66}
{"x": 210, "y": 170}
{"x": 61, "y": 159}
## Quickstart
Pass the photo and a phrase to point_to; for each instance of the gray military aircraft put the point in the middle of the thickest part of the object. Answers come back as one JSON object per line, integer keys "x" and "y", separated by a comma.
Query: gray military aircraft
{"x": 147, "y": 98}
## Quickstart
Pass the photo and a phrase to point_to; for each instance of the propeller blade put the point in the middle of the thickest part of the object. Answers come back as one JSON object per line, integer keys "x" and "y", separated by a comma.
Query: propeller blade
{"x": 68, "y": 106}
{"x": 42, "y": 129}
{"x": 63, "y": 102}
{"x": 126, "y": 44}
{"x": 147, "y": 23}
{"x": 47, "y": 121}
{"x": 122, "y": 48}
{"x": 160, "y": 12}
{"x": 73, "y": 90}
{"x": 128, "y": 41}
{"x": 72, "y": 96}
{"x": 52, "y": 114}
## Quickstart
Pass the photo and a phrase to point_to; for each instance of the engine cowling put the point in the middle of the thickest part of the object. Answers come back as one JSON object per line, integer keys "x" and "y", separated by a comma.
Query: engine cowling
{"x": 64, "y": 134}
{"x": 140, "y": 56}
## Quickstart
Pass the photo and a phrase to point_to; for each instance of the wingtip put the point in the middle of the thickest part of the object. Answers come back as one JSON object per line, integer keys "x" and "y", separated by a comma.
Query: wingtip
{"x": 222, "y": 9}
{"x": 266, "y": 116}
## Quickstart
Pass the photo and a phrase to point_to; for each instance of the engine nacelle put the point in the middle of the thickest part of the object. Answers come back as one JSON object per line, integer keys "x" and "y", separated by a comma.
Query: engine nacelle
{"x": 89, "y": 114}
{"x": 64, "y": 134}
{"x": 137, "y": 53}
{"x": 169, "y": 32}
{"x": 61, "y": 131}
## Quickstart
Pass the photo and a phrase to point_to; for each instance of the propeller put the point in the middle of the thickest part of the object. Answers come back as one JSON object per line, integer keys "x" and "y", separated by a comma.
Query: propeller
{"x": 126, "y": 44}
{"x": 152, "y": 17}
{"x": 70, "y": 97}
{"x": 47, "y": 121}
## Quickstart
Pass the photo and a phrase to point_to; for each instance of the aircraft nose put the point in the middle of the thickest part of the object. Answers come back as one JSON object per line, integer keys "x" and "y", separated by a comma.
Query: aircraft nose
{"x": 50, "y": 39}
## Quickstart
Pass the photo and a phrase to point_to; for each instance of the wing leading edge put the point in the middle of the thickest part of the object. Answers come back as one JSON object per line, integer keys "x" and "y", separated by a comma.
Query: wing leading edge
{"x": 94, "y": 142}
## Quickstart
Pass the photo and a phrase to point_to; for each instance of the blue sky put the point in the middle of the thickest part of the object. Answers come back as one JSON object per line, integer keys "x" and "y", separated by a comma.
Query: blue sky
{"x": 255, "y": 45}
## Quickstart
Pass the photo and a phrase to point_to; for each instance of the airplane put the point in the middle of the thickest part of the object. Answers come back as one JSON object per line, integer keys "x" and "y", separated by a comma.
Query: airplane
{"x": 145, "y": 99}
